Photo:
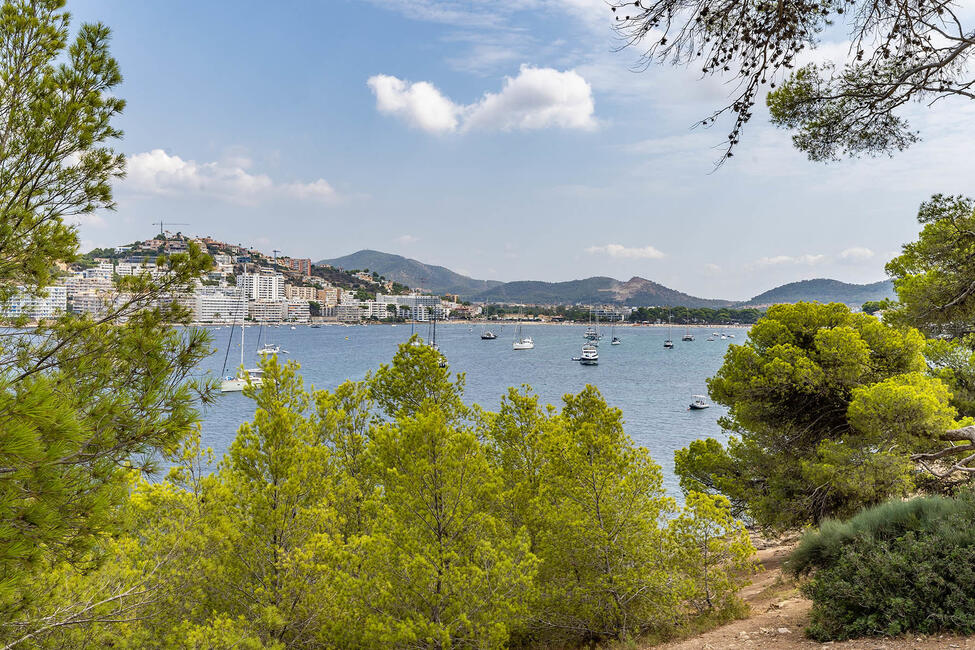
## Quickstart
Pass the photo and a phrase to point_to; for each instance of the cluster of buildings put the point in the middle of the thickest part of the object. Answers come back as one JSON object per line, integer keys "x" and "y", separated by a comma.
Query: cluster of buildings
{"x": 243, "y": 285}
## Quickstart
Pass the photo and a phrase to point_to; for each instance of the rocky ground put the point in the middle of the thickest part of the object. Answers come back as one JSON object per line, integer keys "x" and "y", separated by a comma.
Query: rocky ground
{"x": 779, "y": 614}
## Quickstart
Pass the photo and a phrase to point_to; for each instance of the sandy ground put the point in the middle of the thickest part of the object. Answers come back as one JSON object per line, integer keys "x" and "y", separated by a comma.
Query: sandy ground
{"x": 779, "y": 615}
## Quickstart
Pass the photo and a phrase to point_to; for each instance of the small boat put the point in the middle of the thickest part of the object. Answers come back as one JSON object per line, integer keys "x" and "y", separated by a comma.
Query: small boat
{"x": 723, "y": 337}
{"x": 710, "y": 338}
{"x": 615, "y": 341}
{"x": 315, "y": 327}
{"x": 669, "y": 343}
{"x": 268, "y": 348}
{"x": 236, "y": 383}
{"x": 590, "y": 355}
{"x": 293, "y": 327}
{"x": 687, "y": 334}
{"x": 488, "y": 335}
{"x": 699, "y": 404}
{"x": 731, "y": 336}
{"x": 522, "y": 342}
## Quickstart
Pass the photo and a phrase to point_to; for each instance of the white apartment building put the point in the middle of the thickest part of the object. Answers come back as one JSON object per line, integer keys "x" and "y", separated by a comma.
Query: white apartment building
{"x": 266, "y": 285}
{"x": 52, "y": 305}
{"x": 298, "y": 311}
{"x": 268, "y": 311}
{"x": 219, "y": 308}
{"x": 349, "y": 312}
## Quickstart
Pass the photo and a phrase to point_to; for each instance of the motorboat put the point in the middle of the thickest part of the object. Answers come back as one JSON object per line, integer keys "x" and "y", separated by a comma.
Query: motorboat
{"x": 615, "y": 341}
{"x": 668, "y": 344}
{"x": 590, "y": 355}
{"x": 269, "y": 348}
{"x": 488, "y": 335}
{"x": 699, "y": 404}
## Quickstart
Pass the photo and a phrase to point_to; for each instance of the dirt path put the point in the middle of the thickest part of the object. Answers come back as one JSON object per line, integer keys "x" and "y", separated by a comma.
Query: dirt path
{"x": 779, "y": 615}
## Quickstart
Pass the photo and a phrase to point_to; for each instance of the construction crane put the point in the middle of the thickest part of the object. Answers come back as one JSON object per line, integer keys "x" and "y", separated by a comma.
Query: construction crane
{"x": 167, "y": 223}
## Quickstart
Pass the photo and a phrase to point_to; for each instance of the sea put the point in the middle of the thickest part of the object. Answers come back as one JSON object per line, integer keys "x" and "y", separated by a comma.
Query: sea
{"x": 650, "y": 384}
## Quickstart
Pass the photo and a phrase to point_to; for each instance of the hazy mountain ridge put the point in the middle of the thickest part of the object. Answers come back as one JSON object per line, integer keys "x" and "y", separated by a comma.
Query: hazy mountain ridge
{"x": 637, "y": 291}
{"x": 825, "y": 290}
{"x": 411, "y": 272}
{"x": 596, "y": 290}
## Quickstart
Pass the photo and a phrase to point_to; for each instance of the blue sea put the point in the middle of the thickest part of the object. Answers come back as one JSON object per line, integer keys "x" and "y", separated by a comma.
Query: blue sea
{"x": 650, "y": 384}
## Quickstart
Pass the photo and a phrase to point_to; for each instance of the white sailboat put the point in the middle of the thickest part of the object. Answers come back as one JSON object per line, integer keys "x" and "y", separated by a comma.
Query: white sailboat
{"x": 522, "y": 342}
{"x": 669, "y": 343}
{"x": 616, "y": 339}
{"x": 236, "y": 383}
{"x": 687, "y": 333}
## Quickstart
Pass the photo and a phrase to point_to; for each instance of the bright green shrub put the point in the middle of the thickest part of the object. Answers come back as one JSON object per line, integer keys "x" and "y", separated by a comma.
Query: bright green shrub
{"x": 899, "y": 567}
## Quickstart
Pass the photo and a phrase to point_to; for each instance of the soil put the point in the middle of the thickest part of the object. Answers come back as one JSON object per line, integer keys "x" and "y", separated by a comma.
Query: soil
{"x": 779, "y": 614}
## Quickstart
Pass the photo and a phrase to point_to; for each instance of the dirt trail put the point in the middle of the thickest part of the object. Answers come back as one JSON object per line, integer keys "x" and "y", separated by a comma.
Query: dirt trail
{"x": 779, "y": 615}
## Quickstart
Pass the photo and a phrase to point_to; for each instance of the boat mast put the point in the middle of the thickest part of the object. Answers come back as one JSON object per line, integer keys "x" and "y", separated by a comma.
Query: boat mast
{"x": 243, "y": 319}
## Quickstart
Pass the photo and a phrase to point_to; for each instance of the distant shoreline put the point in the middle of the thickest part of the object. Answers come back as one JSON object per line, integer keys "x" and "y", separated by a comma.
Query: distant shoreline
{"x": 479, "y": 323}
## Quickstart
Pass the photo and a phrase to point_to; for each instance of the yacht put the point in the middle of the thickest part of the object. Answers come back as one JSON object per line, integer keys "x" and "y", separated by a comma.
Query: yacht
{"x": 590, "y": 355}
{"x": 522, "y": 342}
{"x": 699, "y": 404}
{"x": 687, "y": 334}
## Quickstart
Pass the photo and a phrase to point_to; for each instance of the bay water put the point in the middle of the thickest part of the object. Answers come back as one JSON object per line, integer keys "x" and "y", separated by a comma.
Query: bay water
{"x": 653, "y": 386}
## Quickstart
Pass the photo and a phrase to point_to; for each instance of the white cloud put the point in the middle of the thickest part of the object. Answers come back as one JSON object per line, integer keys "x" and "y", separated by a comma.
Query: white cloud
{"x": 420, "y": 103}
{"x": 857, "y": 254}
{"x": 157, "y": 172}
{"x": 536, "y": 98}
{"x": 622, "y": 252}
{"x": 808, "y": 260}
{"x": 407, "y": 239}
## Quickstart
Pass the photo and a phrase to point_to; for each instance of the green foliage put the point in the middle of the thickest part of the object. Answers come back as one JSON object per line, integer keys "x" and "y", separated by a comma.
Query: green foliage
{"x": 82, "y": 401}
{"x": 826, "y": 112}
{"x": 828, "y": 406}
{"x": 387, "y": 514}
{"x": 933, "y": 276}
{"x": 895, "y": 568}
{"x": 873, "y": 306}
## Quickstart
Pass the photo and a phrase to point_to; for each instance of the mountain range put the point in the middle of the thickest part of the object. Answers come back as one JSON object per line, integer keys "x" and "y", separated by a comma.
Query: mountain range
{"x": 637, "y": 292}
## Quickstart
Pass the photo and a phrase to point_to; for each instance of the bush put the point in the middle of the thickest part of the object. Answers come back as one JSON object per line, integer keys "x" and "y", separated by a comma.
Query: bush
{"x": 903, "y": 566}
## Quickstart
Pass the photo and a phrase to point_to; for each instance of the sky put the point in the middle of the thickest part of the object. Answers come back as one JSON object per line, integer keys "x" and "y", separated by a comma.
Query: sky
{"x": 503, "y": 139}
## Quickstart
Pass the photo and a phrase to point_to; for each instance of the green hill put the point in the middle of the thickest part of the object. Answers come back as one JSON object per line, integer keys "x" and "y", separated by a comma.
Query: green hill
{"x": 824, "y": 290}
{"x": 598, "y": 290}
{"x": 412, "y": 273}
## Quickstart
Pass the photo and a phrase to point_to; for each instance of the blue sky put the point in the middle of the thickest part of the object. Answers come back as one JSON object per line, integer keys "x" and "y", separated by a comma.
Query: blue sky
{"x": 505, "y": 140}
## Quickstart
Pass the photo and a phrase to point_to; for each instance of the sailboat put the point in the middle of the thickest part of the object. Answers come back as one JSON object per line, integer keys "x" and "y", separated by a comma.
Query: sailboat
{"x": 592, "y": 333}
{"x": 268, "y": 347}
{"x": 522, "y": 342}
{"x": 687, "y": 333}
{"x": 236, "y": 383}
{"x": 669, "y": 343}
{"x": 433, "y": 341}
{"x": 616, "y": 339}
